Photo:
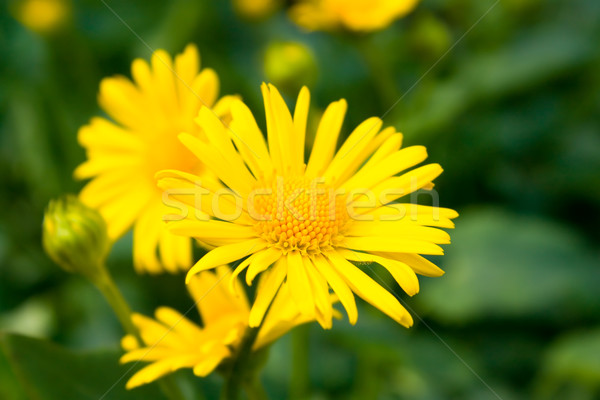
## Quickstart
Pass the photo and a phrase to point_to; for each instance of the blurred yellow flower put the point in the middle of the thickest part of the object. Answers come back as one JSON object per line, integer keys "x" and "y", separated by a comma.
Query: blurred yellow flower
{"x": 124, "y": 155}
{"x": 307, "y": 224}
{"x": 42, "y": 16}
{"x": 256, "y": 9}
{"x": 355, "y": 15}
{"x": 173, "y": 342}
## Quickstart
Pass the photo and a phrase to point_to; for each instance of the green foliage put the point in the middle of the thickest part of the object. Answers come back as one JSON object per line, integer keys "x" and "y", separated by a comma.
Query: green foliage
{"x": 511, "y": 110}
{"x": 507, "y": 266}
{"x": 46, "y": 371}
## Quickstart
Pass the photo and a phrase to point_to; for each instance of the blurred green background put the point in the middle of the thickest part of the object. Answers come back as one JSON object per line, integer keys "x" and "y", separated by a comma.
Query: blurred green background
{"x": 511, "y": 111}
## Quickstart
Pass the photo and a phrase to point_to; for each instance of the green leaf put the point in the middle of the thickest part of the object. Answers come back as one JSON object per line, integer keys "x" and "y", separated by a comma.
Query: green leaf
{"x": 48, "y": 372}
{"x": 571, "y": 361}
{"x": 504, "y": 265}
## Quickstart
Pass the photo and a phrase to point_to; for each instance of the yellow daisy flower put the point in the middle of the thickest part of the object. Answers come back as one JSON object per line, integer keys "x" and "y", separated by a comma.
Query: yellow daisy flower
{"x": 308, "y": 224}
{"x": 125, "y": 153}
{"x": 355, "y": 15}
{"x": 173, "y": 342}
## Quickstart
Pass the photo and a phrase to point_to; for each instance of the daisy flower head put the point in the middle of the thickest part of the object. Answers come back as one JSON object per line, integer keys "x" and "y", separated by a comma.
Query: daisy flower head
{"x": 138, "y": 139}
{"x": 311, "y": 224}
{"x": 354, "y": 15}
{"x": 171, "y": 341}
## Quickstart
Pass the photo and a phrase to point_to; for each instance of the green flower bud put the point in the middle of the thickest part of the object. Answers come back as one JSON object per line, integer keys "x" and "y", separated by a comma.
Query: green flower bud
{"x": 75, "y": 237}
{"x": 289, "y": 66}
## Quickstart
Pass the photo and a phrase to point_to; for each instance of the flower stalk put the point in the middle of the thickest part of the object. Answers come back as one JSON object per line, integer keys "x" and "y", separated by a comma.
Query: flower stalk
{"x": 243, "y": 373}
{"x": 120, "y": 307}
{"x": 75, "y": 237}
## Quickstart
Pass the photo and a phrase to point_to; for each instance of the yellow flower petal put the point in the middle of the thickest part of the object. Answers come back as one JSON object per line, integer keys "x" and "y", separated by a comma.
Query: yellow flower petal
{"x": 367, "y": 178}
{"x": 392, "y": 244}
{"x": 418, "y": 263}
{"x": 370, "y": 290}
{"x": 225, "y": 255}
{"x": 402, "y": 273}
{"x": 299, "y": 284}
{"x": 269, "y": 284}
{"x": 353, "y": 148}
{"x": 338, "y": 285}
{"x": 326, "y": 138}
{"x": 300, "y": 121}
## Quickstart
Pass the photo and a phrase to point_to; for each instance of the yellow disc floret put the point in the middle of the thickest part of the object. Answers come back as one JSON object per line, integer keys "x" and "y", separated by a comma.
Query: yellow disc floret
{"x": 298, "y": 214}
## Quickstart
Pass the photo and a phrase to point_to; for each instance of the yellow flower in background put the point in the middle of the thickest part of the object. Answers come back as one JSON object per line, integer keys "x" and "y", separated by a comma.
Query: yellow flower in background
{"x": 173, "y": 342}
{"x": 42, "y": 16}
{"x": 256, "y": 9}
{"x": 308, "y": 224}
{"x": 355, "y": 15}
{"x": 125, "y": 152}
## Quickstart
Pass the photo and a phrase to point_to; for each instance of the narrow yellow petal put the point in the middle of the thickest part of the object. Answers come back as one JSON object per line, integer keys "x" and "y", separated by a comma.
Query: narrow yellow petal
{"x": 234, "y": 283}
{"x": 121, "y": 213}
{"x": 164, "y": 81}
{"x": 299, "y": 284}
{"x": 392, "y": 244}
{"x": 367, "y": 178}
{"x": 249, "y": 139}
{"x": 353, "y": 148}
{"x": 272, "y": 139}
{"x": 225, "y": 255}
{"x": 208, "y": 364}
{"x": 285, "y": 131}
{"x": 105, "y": 188}
{"x": 129, "y": 343}
{"x": 398, "y": 229}
{"x": 122, "y": 101}
{"x": 265, "y": 259}
{"x": 217, "y": 135}
{"x": 370, "y": 290}
{"x": 159, "y": 369}
{"x": 418, "y": 263}
{"x": 392, "y": 144}
{"x": 146, "y": 234}
{"x": 402, "y": 273}
{"x": 205, "y": 90}
{"x": 214, "y": 300}
{"x": 399, "y": 186}
{"x": 300, "y": 121}
{"x": 176, "y": 321}
{"x": 187, "y": 65}
{"x": 326, "y": 138}
{"x": 338, "y": 285}
{"x": 320, "y": 290}
{"x": 402, "y": 213}
{"x": 269, "y": 284}
{"x": 240, "y": 181}
{"x": 103, "y": 134}
{"x": 167, "y": 251}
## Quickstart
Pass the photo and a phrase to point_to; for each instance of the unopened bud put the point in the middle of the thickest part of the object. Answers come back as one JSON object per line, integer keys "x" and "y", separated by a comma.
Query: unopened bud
{"x": 75, "y": 237}
{"x": 290, "y": 65}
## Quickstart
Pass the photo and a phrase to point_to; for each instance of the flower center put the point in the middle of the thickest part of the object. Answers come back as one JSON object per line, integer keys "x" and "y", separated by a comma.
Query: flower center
{"x": 298, "y": 214}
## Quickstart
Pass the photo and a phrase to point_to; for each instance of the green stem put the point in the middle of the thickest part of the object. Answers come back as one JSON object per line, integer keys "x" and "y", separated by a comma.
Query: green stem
{"x": 240, "y": 375}
{"x": 117, "y": 302}
{"x": 300, "y": 380}
{"x": 255, "y": 390}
